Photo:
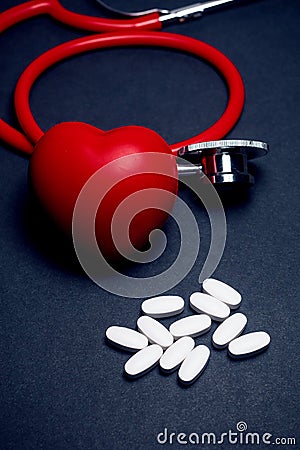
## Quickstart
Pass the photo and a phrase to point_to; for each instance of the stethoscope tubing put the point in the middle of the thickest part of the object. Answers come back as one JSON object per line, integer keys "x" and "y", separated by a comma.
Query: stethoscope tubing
{"x": 128, "y": 37}
{"x": 88, "y": 23}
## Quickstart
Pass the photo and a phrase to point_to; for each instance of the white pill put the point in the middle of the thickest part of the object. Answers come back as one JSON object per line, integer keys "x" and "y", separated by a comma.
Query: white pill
{"x": 163, "y": 306}
{"x": 222, "y": 292}
{"x": 176, "y": 353}
{"x": 155, "y": 331}
{"x": 249, "y": 344}
{"x": 204, "y": 303}
{"x": 126, "y": 338}
{"x": 143, "y": 361}
{"x": 194, "y": 364}
{"x": 230, "y": 329}
{"x": 193, "y": 326}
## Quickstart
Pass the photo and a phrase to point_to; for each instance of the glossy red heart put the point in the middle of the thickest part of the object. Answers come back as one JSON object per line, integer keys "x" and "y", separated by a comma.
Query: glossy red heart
{"x": 70, "y": 153}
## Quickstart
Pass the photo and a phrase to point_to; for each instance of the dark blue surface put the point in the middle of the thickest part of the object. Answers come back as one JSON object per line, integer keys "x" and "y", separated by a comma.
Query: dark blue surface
{"x": 62, "y": 386}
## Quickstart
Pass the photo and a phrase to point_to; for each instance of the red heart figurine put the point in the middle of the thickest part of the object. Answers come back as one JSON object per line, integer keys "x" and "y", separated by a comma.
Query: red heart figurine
{"x": 67, "y": 156}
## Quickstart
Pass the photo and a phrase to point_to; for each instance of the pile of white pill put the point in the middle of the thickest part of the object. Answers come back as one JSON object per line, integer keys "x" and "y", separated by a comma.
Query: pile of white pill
{"x": 175, "y": 348}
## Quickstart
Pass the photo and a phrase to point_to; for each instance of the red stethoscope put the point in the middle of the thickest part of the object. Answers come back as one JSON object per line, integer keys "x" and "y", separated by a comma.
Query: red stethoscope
{"x": 64, "y": 157}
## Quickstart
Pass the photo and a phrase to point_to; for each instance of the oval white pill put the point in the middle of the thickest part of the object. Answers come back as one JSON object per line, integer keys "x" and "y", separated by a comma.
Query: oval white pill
{"x": 194, "y": 364}
{"x": 222, "y": 292}
{"x": 143, "y": 361}
{"x": 155, "y": 331}
{"x": 126, "y": 338}
{"x": 163, "y": 306}
{"x": 249, "y": 344}
{"x": 176, "y": 353}
{"x": 204, "y": 303}
{"x": 230, "y": 329}
{"x": 193, "y": 326}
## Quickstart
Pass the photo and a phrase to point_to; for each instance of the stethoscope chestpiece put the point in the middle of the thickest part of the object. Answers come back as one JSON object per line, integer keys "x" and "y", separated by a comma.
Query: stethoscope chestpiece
{"x": 224, "y": 162}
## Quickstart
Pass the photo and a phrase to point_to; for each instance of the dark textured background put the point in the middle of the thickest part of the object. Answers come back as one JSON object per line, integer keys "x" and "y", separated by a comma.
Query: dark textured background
{"x": 62, "y": 386}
